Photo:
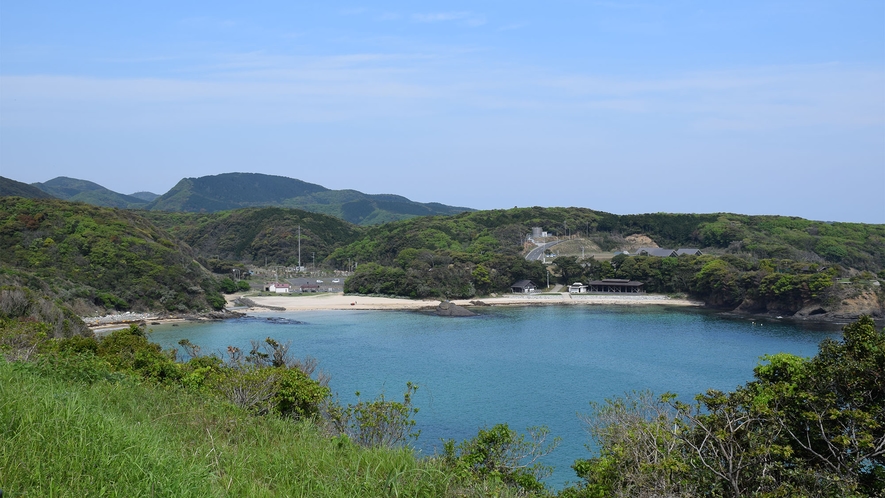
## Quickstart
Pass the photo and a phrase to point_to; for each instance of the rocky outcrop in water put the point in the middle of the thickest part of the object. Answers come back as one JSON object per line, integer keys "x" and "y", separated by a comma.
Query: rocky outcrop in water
{"x": 446, "y": 308}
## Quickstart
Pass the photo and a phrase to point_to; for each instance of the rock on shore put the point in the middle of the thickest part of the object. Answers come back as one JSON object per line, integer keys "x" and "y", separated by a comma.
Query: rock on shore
{"x": 446, "y": 308}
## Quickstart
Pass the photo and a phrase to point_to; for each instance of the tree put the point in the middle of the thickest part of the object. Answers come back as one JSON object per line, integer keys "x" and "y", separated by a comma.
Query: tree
{"x": 501, "y": 453}
{"x": 482, "y": 280}
{"x": 568, "y": 268}
{"x": 640, "y": 453}
{"x": 803, "y": 427}
{"x": 833, "y": 406}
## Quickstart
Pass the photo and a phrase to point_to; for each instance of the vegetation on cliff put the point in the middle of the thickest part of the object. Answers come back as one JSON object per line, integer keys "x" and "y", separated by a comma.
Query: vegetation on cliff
{"x": 91, "y": 257}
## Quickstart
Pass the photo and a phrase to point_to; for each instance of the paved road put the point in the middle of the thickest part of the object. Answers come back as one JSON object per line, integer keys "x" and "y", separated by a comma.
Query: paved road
{"x": 537, "y": 253}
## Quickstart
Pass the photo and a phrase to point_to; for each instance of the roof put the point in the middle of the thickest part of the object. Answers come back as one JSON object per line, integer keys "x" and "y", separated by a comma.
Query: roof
{"x": 687, "y": 250}
{"x": 655, "y": 251}
{"x": 524, "y": 284}
{"x": 617, "y": 282}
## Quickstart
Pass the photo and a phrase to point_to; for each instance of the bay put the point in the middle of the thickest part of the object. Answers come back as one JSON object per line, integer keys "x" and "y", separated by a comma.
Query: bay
{"x": 524, "y": 366}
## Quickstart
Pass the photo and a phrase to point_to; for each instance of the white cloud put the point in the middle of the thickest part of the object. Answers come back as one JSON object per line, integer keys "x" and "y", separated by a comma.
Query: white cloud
{"x": 510, "y": 27}
{"x": 353, "y": 11}
{"x": 260, "y": 87}
{"x": 465, "y": 18}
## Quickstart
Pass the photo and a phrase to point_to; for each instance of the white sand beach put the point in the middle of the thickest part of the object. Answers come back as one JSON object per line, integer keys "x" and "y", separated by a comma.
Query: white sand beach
{"x": 340, "y": 301}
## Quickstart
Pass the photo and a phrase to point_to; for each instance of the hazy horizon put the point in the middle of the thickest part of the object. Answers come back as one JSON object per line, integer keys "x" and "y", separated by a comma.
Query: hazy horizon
{"x": 130, "y": 192}
{"x": 624, "y": 107}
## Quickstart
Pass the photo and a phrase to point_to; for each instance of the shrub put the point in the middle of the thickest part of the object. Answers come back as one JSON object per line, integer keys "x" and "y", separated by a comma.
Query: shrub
{"x": 379, "y": 422}
{"x": 502, "y": 454}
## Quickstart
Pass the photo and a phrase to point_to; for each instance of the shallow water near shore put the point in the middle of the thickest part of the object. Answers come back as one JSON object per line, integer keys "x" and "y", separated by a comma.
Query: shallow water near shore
{"x": 523, "y": 366}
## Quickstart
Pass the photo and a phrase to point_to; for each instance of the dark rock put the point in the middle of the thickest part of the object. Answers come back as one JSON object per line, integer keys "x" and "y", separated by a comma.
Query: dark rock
{"x": 446, "y": 308}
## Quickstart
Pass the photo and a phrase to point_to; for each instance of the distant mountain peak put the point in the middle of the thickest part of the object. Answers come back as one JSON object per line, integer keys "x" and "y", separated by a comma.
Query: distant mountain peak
{"x": 74, "y": 189}
{"x": 239, "y": 190}
{"x": 12, "y": 188}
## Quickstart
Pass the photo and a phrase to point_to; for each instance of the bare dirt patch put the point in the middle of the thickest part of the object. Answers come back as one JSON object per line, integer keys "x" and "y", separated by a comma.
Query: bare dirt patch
{"x": 636, "y": 241}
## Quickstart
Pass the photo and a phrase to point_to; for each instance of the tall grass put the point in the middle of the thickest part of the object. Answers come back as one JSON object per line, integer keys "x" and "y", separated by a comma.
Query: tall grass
{"x": 118, "y": 436}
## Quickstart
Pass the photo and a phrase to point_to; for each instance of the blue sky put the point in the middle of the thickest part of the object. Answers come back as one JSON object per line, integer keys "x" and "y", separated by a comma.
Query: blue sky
{"x": 766, "y": 107}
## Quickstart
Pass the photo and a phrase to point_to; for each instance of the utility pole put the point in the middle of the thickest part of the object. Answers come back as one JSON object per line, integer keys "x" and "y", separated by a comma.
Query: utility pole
{"x": 314, "y": 256}
{"x": 299, "y": 247}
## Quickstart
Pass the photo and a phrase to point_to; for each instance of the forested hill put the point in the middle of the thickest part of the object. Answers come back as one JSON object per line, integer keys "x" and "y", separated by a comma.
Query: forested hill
{"x": 92, "y": 258}
{"x": 773, "y": 264}
{"x": 9, "y": 187}
{"x": 854, "y": 245}
{"x": 238, "y": 190}
{"x": 72, "y": 189}
{"x": 258, "y": 235}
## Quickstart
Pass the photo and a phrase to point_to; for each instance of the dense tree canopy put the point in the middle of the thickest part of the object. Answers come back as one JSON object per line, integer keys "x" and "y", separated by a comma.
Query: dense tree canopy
{"x": 803, "y": 427}
{"x": 103, "y": 257}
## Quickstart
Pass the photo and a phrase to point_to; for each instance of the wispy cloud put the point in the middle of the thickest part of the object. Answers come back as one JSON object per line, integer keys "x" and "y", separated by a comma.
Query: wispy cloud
{"x": 353, "y": 11}
{"x": 510, "y": 27}
{"x": 208, "y": 22}
{"x": 465, "y": 18}
{"x": 389, "y": 16}
{"x": 262, "y": 87}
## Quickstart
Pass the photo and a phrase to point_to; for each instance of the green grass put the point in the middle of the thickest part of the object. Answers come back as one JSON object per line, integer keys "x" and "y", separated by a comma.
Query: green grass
{"x": 121, "y": 437}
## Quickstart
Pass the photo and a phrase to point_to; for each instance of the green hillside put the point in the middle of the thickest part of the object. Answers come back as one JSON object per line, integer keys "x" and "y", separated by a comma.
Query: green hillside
{"x": 145, "y": 196}
{"x": 855, "y": 245}
{"x": 760, "y": 263}
{"x": 93, "y": 257}
{"x": 258, "y": 235}
{"x": 238, "y": 190}
{"x": 72, "y": 189}
{"x": 9, "y": 187}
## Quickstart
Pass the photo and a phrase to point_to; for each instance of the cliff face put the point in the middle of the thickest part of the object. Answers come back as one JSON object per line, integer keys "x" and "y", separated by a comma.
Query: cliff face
{"x": 850, "y": 307}
{"x": 845, "y": 303}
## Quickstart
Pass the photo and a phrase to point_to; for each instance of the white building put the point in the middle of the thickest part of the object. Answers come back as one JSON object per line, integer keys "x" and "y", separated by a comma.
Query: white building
{"x": 577, "y": 288}
{"x": 278, "y": 288}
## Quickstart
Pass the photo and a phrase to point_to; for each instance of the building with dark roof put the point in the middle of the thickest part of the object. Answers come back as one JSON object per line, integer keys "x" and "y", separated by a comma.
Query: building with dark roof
{"x": 666, "y": 253}
{"x": 615, "y": 286}
{"x": 523, "y": 287}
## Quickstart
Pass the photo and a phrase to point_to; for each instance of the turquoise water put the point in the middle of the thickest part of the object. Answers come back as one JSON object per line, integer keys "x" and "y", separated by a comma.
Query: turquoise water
{"x": 522, "y": 366}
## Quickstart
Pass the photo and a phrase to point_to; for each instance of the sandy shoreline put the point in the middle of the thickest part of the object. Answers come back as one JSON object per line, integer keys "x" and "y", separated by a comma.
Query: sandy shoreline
{"x": 330, "y": 302}
{"x": 342, "y": 302}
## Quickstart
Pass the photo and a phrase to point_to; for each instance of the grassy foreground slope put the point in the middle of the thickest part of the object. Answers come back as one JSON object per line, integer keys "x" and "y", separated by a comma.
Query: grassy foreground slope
{"x": 93, "y": 257}
{"x": 121, "y": 437}
{"x": 117, "y": 416}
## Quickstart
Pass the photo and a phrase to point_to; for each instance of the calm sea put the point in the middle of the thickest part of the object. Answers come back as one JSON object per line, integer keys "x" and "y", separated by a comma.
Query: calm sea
{"x": 523, "y": 366}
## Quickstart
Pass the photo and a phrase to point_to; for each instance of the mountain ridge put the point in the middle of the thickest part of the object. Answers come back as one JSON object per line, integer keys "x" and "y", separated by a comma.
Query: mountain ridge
{"x": 12, "y": 188}
{"x": 227, "y": 191}
{"x": 77, "y": 190}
